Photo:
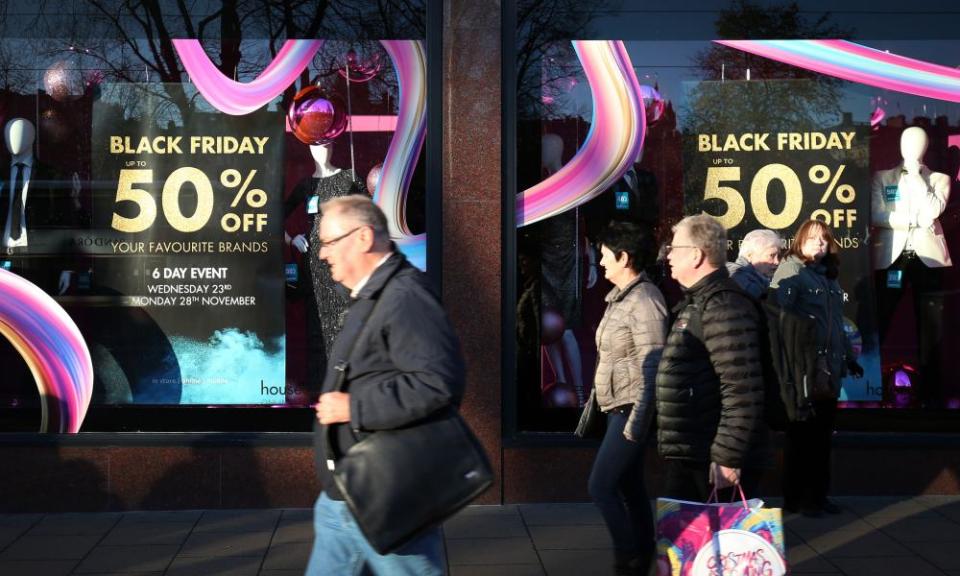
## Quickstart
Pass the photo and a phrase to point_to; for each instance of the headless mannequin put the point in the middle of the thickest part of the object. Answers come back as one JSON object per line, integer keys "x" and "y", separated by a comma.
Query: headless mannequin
{"x": 324, "y": 169}
{"x": 910, "y": 250}
{"x": 632, "y": 198}
{"x": 325, "y": 300}
{"x": 551, "y": 160}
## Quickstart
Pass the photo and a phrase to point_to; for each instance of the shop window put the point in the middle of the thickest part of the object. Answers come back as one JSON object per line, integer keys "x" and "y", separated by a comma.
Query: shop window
{"x": 759, "y": 135}
{"x": 175, "y": 162}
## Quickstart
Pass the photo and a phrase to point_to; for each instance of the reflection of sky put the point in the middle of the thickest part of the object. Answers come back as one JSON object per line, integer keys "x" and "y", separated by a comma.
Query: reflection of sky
{"x": 914, "y": 20}
{"x": 669, "y": 63}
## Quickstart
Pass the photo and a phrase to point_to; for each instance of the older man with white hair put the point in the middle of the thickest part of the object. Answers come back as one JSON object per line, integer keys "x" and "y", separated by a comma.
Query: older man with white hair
{"x": 709, "y": 381}
{"x": 757, "y": 261}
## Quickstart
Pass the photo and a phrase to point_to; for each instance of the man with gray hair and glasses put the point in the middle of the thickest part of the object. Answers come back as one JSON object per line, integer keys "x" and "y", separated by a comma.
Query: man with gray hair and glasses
{"x": 709, "y": 381}
{"x": 401, "y": 364}
{"x": 757, "y": 261}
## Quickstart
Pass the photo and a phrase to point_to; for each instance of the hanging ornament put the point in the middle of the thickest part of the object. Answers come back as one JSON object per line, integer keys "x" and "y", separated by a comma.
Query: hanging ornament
{"x": 652, "y": 103}
{"x": 63, "y": 82}
{"x": 358, "y": 62}
{"x": 552, "y": 326}
{"x": 560, "y": 395}
{"x": 878, "y": 114}
{"x": 373, "y": 177}
{"x": 92, "y": 83}
{"x": 315, "y": 119}
{"x": 362, "y": 68}
{"x": 853, "y": 336}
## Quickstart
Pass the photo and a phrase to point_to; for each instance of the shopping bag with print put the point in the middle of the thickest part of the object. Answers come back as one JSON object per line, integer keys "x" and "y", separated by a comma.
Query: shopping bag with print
{"x": 737, "y": 539}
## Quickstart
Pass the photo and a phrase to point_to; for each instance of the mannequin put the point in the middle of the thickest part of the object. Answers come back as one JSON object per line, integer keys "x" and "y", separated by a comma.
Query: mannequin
{"x": 632, "y": 198}
{"x": 560, "y": 275}
{"x": 909, "y": 248}
{"x": 326, "y": 302}
{"x": 18, "y": 135}
{"x": 29, "y": 200}
{"x": 324, "y": 168}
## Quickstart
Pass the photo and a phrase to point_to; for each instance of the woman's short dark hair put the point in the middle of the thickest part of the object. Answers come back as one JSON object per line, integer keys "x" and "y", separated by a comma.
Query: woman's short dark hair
{"x": 633, "y": 239}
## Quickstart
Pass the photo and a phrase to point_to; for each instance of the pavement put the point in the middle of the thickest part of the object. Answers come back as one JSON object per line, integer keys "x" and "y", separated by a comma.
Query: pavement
{"x": 915, "y": 536}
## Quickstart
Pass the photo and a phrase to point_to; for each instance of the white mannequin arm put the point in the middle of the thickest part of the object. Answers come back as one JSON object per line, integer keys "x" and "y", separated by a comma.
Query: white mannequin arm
{"x": 935, "y": 199}
{"x": 301, "y": 243}
{"x": 64, "y": 284}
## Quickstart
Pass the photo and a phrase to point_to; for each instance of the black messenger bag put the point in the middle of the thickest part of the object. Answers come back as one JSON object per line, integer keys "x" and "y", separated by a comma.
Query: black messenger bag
{"x": 398, "y": 483}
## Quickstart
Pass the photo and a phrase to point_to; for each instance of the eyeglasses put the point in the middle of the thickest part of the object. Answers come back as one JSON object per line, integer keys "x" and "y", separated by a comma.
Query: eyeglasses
{"x": 668, "y": 247}
{"x": 333, "y": 241}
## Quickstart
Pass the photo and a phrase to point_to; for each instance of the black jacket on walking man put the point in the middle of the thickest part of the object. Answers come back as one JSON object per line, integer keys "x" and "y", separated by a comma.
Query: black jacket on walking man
{"x": 405, "y": 366}
{"x": 709, "y": 382}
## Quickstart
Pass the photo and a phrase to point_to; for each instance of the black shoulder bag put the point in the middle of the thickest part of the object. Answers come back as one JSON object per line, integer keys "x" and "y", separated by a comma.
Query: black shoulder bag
{"x": 398, "y": 483}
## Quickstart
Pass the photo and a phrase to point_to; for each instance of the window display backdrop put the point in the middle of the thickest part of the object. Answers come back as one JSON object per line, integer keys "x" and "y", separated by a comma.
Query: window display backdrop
{"x": 758, "y": 134}
{"x": 172, "y": 204}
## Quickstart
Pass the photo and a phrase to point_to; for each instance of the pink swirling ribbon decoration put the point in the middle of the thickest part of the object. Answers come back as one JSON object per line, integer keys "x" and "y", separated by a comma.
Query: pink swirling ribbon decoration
{"x": 410, "y": 66}
{"x": 409, "y": 62}
{"x": 858, "y": 63}
{"x": 239, "y": 98}
{"x": 615, "y": 138}
{"x": 52, "y": 346}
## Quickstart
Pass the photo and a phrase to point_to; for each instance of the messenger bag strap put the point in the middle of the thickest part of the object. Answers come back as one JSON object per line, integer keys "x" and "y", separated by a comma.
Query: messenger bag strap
{"x": 360, "y": 312}
{"x": 358, "y": 317}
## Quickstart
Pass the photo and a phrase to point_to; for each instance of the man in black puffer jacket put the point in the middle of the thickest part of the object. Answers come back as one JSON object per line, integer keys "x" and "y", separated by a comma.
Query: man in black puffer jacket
{"x": 710, "y": 378}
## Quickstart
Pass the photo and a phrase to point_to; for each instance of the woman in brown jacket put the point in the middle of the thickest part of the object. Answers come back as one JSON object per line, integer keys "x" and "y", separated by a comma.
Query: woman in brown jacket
{"x": 630, "y": 339}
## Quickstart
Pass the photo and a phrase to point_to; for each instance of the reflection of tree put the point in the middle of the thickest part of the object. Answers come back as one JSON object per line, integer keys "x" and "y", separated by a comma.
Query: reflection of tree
{"x": 803, "y": 104}
{"x": 544, "y": 56}
{"x": 13, "y": 76}
{"x": 745, "y": 20}
{"x": 141, "y": 34}
{"x": 131, "y": 41}
{"x": 764, "y": 106}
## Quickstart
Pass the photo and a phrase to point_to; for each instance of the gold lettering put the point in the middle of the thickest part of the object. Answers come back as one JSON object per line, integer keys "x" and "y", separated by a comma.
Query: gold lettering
{"x": 848, "y": 138}
{"x": 703, "y": 143}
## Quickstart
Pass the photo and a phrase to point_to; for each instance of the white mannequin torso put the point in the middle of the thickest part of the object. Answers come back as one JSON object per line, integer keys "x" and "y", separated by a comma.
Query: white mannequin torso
{"x": 906, "y": 203}
{"x": 19, "y": 135}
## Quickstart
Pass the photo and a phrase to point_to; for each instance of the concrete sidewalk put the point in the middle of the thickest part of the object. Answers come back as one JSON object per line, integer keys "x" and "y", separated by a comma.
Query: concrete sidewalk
{"x": 917, "y": 536}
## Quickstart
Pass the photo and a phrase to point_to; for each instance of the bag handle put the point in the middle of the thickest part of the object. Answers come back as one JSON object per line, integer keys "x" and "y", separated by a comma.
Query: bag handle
{"x": 713, "y": 499}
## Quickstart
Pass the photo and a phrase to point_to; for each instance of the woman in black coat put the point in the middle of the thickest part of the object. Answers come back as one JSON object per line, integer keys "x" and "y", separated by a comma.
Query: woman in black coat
{"x": 815, "y": 356}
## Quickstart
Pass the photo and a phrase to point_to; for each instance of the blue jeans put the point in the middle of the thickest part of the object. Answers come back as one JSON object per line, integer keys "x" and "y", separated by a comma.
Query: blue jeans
{"x": 617, "y": 488}
{"x": 339, "y": 548}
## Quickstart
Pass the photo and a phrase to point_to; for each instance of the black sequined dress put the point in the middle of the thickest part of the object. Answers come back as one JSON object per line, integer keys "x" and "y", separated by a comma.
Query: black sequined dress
{"x": 325, "y": 309}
